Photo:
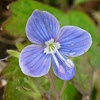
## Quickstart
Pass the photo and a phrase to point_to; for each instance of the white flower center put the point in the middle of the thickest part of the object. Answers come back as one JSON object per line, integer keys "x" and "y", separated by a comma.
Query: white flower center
{"x": 52, "y": 46}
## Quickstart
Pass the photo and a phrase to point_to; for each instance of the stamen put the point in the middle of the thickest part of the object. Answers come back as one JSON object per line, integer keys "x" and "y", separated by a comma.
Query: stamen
{"x": 68, "y": 62}
{"x": 51, "y": 44}
{"x": 60, "y": 55}
{"x": 60, "y": 67}
{"x": 56, "y": 61}
{"x": 64, "y": 65}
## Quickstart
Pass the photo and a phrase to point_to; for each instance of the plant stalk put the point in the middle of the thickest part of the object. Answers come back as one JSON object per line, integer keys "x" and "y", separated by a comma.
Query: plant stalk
{"x": 53, "y": 86}
{"x": 63, "y": 87}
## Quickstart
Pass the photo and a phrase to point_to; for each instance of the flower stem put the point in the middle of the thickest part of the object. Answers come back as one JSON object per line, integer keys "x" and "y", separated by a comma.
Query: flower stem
{"x": 62, "y": 89}
{"x": 5, "y": 58}
{"x": 53, "y": 86}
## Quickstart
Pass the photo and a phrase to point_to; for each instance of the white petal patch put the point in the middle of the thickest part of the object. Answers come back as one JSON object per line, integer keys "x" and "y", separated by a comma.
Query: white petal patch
{"x": 51, "y": 46}
{"x": 65, "y": 64}
{"x": 45, "y": 61}
{"x": 69, "y": 63}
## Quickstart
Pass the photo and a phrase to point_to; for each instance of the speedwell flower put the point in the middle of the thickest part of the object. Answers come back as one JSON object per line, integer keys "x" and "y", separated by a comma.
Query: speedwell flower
{"x": 51, "y": 46}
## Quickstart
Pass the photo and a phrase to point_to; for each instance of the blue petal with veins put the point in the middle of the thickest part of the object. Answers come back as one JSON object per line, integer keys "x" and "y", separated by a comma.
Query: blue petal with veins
{"x": 52, "y": 43}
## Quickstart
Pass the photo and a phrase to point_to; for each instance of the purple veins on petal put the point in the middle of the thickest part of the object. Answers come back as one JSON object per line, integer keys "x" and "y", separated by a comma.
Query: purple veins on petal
{"x": 41, "y": 27}
{"x": 26, "y": 54}
{"x": 36, "y": 64}
{"x": 74, "y": 41}
{"x": 62, "y": 66}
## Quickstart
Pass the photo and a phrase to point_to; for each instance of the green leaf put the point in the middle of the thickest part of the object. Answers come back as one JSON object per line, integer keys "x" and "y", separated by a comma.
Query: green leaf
{"x": 12, "y": 71}
{"x": 24, "y": 8}
{"x": 31, "y": 83}
{"x": 67, "y": 93}
{"x": 81, "y": 20}
{"x": 84, "y": 74}
{"x": 12, "y": 93}
{"x": 77, "y": 2}
{"x": 94, "y": 55}
{"x": 30, "y": 93}
{"x": 21, "y": 11}
{"x": 20, "y": 46}
{"x": 13, "y": 53}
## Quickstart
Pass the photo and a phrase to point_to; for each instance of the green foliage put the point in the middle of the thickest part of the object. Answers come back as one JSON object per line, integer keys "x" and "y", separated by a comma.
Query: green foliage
{"x": 77, "y": 2}
{"x": 20, "y": 46}
{"x": 12, "y": 71}
{"x": 81, "y": 20}
{"x": 94, "y": 55}
{"x": 13, "y": 53}
{"x": 84, "y": 74}
{"x": 32, "y": 85}
{"x": 21, "y": 10}
{"x": 67, "y": 94}
{"x": 24, "y": 8}
{"x": 12, "y": 93}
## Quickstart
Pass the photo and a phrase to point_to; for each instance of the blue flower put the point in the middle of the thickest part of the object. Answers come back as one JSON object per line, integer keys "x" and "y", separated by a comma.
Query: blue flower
{"x": 51, "y": 46}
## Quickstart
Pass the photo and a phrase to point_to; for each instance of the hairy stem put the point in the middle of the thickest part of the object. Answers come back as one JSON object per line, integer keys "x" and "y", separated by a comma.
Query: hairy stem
{"x": 53, "y": 86}
{"x": 62, "y": 89}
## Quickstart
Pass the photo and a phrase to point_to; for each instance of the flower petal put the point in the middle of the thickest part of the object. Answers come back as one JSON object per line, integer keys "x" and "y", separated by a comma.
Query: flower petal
{"x": 33, "y": 61}
{"x": 64, "y": 69}
{"x": 41, "y": 27}
{"x": 74, "y": 41}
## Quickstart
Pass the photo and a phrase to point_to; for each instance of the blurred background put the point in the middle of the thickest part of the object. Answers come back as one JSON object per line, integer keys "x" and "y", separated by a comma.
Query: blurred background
{"x": 13, "y": 17}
